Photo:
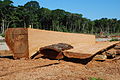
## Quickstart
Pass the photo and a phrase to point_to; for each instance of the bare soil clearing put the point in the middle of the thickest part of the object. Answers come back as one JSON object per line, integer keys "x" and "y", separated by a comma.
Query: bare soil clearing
{"x": 45, "y": 69}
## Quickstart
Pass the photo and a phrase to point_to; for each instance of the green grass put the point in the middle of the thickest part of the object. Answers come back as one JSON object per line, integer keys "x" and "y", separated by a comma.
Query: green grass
{"x": 93, "y": 78}
{"x": 114, "y": 39}
{"x": 108, "y": 34}
{"x": 3, "y": 35}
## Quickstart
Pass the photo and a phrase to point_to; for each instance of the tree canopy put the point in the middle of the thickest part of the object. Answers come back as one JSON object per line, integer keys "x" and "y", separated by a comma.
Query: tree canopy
{"x": 32, "y": 15}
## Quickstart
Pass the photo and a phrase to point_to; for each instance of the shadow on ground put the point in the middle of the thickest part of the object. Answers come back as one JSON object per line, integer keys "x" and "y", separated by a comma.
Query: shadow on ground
{"x": 9, "y": 57}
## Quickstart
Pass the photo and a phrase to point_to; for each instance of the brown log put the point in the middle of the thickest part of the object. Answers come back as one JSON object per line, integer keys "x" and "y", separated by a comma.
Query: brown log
{"x": 55, "y": 51}
{"x": 26, "y": 42}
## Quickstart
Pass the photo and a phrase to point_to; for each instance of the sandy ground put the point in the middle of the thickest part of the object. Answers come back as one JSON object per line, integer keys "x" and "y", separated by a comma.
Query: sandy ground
{"x": 45, "y": 69}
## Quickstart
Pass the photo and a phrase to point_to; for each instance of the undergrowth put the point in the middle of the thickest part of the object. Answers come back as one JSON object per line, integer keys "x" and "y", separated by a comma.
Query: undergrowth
{"x": 93, "y": 78}
{"x": 3, "y": 35}
{"x": 114, "y": 39}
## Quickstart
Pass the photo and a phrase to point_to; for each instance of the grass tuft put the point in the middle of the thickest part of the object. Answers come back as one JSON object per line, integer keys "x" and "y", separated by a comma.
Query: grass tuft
{"x": 3, "y": 35}
{"x": 114, "y": 39}
{"x": 93, "y": 78}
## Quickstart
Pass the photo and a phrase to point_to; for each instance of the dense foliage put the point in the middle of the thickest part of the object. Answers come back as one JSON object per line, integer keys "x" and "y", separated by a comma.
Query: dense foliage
{"x": 32, "y": 15}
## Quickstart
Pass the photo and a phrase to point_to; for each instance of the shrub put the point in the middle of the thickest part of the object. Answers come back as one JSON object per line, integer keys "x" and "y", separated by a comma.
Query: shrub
{"x": 92, "y": 78}
{"x": 3, "y": 35}
{"x": 114, "y": 39}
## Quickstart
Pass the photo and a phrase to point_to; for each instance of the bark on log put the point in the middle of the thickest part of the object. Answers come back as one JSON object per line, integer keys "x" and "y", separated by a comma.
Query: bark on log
{"x": 55, "y": 51}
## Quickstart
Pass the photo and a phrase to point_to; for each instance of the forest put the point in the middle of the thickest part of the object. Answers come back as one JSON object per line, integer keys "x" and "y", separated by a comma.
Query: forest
{"x": 33, "y": 15}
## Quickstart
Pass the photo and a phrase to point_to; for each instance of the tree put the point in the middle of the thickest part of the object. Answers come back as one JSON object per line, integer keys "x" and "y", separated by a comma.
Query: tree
{"x": 57, "y": 20}
{"x": 32, "y": 5}
{"x": 44, "y": 18}
{"x": 31, "y": 8}
{"x": 5, "y": 11}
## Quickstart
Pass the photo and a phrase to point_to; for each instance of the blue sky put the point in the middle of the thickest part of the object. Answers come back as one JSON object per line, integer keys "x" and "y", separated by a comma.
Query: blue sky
{"x": 91, "y": 9}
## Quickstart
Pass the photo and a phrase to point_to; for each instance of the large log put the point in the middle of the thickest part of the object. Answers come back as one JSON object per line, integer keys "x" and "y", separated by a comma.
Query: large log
{"x": 26, "y": 42}
{"x": 41, "y": 38}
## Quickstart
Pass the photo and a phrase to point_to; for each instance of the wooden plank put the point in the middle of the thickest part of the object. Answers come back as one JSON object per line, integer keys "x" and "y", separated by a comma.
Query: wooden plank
{"x": 41, "y": 38}
{"x": 83, "y": 51}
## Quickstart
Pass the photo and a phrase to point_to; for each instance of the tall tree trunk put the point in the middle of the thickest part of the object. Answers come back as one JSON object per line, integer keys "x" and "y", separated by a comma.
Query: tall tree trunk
{"x": 108, "y": 29}
{"x": 3, "y": 26}
{"x": 32, "y": 25}
{"x": 8, "y": 25}
{"x": 92, "y": 30}
{"x": 83, "y": 27}
{"x": 24, "y": 24}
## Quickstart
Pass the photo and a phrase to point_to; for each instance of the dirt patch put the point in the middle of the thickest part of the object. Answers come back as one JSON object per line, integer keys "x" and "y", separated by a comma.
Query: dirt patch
{"x": 45, "y": 69}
